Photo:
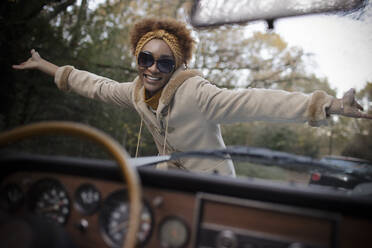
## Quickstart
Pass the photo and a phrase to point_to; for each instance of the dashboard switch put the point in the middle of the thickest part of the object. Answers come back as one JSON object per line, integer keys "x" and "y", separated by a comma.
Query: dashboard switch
{"x": 226, "y": 239}
{"x": 82, "y": 225}
{"x": 296, "y": 245}
{"x": 158, "y": 201}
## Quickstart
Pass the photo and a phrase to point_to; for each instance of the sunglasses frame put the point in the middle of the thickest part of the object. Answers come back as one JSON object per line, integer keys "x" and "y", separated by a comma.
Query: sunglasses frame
{"x": 157, "y": 61}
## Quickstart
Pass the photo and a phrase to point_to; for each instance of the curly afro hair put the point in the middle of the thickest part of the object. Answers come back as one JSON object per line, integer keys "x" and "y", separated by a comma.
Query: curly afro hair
{"x": 171, "y": 26}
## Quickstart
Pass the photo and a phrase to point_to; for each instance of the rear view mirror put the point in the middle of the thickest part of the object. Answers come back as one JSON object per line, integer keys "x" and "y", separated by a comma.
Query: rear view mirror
{"x": 219, "y": 12}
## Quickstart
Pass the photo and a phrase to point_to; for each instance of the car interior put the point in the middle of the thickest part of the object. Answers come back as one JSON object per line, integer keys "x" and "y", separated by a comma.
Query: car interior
{"x": 62, "y": 201}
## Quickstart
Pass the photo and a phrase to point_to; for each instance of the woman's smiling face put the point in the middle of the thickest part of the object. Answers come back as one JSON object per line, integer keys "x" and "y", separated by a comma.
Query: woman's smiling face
{"x": 152, "y": 78}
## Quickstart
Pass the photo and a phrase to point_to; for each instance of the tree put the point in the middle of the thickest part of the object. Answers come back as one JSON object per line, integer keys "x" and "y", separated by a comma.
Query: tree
{"x": 96, "y": 39}
{"x": 70, "y": 32}
{"x": 231, "y": 59}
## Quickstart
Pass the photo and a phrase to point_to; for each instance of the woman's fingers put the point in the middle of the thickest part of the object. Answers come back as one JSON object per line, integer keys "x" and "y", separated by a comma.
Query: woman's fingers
{"x": 34, "y": 54}
{"x": 365, "y": 115}
{"x": 20, "y": 66}
{"x": 17, "y": 66}
{"x": 30, "y": 63}
{"x": 357, "y": 114}
{"x": 351, "y": 91}
{"x": 358, "y": 106}
{"x": 349, "y": 97}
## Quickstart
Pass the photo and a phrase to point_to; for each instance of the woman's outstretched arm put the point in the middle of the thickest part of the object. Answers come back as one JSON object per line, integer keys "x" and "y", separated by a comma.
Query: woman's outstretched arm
{"x": 36, "y": 62}
{"x": 84, "y": 83}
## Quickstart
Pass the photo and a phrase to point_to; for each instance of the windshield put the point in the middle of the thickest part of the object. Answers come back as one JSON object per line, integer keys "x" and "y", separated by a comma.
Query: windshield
{"x": 330, "y": 52}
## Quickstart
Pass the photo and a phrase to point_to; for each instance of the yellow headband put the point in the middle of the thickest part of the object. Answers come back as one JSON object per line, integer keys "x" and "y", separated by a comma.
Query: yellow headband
{"x": 170, "y": 39}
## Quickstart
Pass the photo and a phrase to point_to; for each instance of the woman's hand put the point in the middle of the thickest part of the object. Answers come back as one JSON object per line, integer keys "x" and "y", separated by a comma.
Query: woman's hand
{"x": 31, "y": 63}
{"x": 348, "y": 106}
{"x": 38, "y": 63}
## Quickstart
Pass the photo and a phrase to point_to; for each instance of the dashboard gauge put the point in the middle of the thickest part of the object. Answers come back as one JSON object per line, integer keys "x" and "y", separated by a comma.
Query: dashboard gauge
{"x": 87, "y": 198}
{"x": 114, "y": 217}
{"x": 11, "y": 197}
{"x": 173, "y": 232}
{"x": 49, "y": 198}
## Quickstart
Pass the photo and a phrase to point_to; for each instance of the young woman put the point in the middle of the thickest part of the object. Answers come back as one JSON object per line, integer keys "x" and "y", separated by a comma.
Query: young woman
{"x": 181, "y": 109}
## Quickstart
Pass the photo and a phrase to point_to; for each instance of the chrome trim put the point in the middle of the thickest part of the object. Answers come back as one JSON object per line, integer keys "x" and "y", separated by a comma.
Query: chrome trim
{"x": 201, "y": 198}
{"x": 254, "y": 234}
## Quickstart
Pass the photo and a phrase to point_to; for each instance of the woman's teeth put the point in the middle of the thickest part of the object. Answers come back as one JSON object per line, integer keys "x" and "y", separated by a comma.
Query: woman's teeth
{"x": 152, "y": 78}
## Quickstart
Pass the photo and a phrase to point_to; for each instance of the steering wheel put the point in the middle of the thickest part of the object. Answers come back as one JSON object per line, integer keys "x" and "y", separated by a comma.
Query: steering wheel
{"x": 113, "y": 147}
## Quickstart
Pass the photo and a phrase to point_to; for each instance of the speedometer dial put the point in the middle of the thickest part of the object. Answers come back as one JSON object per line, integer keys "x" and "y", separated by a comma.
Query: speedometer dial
{"x": 49, "y": 198}
{"x": 114, "y": 218}
{"x": 87, "y": 198}
{"x": 173, "y": 232}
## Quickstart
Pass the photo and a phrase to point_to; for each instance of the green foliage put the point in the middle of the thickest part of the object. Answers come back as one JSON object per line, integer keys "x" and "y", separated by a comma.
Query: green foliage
{"x": 271, "y": 172}
{"x": 30, "y": 96}
{"x": 292, "y": 138}
{"x": 260, "y": 171}
{"x": 96, "y": 40}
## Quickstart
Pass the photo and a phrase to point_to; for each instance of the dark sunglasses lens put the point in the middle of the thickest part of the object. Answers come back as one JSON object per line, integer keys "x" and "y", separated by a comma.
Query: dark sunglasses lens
{"x": 165, "y": 65}
{"x": 145, "y": 60}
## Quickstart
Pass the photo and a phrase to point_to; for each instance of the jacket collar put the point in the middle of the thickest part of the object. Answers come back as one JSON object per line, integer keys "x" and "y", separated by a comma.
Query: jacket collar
{"x": 177, "y": 79}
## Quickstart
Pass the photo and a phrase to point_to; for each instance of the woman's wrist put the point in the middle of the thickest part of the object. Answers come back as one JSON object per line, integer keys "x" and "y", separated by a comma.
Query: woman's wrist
{"x": 47, "y": 67}
{"x": 336, "y": 107}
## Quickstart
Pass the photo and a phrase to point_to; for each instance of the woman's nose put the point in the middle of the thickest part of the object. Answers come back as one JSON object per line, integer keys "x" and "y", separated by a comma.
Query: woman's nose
{"x": 153, "y": 68}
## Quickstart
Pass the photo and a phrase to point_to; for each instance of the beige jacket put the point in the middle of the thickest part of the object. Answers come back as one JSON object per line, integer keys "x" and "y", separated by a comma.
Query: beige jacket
{"x": 191, "y": 110}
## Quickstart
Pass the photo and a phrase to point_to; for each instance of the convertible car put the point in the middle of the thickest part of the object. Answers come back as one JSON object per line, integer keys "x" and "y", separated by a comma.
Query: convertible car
{"x": 57, "y": 201}
{"x": 65, "y": 201}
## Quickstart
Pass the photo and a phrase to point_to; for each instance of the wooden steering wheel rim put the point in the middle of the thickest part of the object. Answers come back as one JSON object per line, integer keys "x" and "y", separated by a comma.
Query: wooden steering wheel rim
{"x": 111, "y": 146}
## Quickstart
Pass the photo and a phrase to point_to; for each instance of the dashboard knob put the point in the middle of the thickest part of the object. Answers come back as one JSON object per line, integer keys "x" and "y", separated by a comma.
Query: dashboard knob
{"x": 158, "y": 201}
{"x": 82, "y": 225}
{"x": 226, "y": 239}
{"x": 296, "y": 245}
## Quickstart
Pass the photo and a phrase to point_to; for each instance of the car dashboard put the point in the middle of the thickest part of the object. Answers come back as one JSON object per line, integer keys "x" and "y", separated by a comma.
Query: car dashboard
{"x": 88, "y": 199}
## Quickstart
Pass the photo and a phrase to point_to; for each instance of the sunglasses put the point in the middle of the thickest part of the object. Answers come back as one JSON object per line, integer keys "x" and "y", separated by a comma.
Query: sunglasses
{"x": 145, "y": 59}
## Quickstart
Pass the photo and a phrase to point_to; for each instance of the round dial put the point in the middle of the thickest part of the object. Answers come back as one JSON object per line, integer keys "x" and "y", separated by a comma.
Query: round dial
{"x": 87, "y": 198}
{"x": 49, "y": 198}
{"x": 114, "y": 218}
{"x": 173, "y": 233}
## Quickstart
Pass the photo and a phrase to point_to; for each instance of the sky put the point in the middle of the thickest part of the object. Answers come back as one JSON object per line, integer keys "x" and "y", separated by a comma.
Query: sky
{"x": 341, "y": 47}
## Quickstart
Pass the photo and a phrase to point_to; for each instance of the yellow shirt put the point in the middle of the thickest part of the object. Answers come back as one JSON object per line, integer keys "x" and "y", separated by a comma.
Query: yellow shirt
{"x": 153, "y": 101}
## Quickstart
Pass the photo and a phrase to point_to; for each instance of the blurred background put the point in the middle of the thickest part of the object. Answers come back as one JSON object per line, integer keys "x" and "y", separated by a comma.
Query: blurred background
{"x": 94, "y": 36}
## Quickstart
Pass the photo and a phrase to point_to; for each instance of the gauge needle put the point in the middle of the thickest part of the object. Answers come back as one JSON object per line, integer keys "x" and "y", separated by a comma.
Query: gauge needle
{"x": 51, "y": 208}
{"x": 55, "y": 206}
{"x": 120, "y": 227}
{"x": 56, "y": 201}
